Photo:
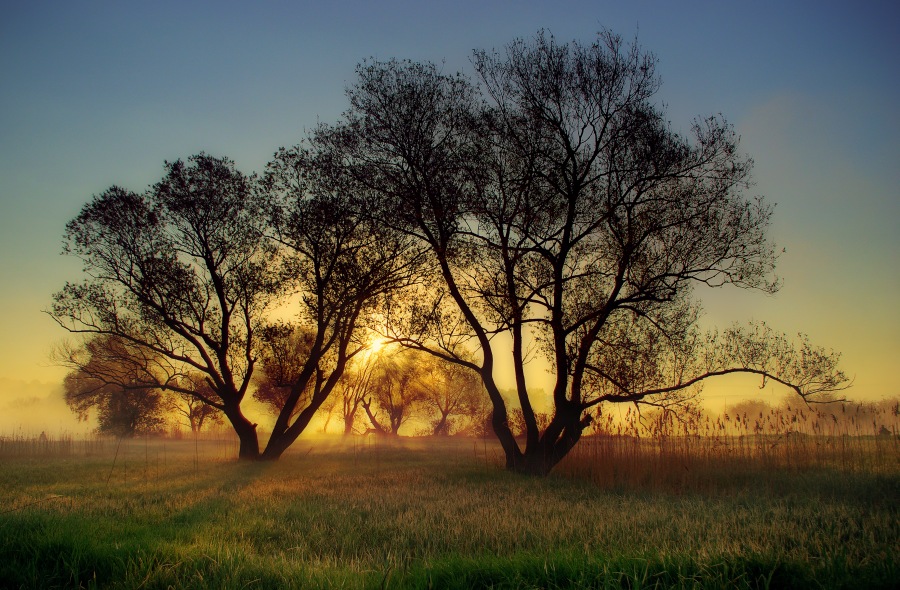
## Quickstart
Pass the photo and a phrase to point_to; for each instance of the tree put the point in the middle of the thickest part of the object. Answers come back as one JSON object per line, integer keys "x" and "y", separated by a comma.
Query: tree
{"x": 397, "y": 389}
{"x": 451, "y": 395}
{"x": 354, "y": 387}
{"x": 105, "y": 377}
{"x": 181, "y": 272}
{"x": 340, "y": 261}
{"x": 188, "y": 271}
{"x": 560, "y": 208}
{"x": 191, "y": 407}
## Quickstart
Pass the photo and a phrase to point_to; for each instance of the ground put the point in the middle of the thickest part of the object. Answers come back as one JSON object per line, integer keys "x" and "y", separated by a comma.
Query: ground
{"x": 371, "y": 513}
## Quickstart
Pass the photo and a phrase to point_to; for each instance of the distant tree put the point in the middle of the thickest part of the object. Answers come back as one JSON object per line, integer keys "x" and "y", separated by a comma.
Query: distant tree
{"x": 450, "y": 395}
{"x": 560, "y": 207}
{"x": 397, "y": 390}
{"x": 353, "y": 389}
{"x": 190, "y": 407}
{"x": 131, "y": 413}
{"x": 105, "y": 377}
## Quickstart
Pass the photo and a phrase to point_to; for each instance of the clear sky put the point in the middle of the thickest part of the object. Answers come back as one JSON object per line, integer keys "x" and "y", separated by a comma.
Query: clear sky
{"x": 100, "y": 93}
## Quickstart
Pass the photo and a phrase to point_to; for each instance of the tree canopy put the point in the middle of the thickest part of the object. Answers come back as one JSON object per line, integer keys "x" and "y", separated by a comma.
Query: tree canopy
{"x": 561, "y": 208}
{"x": 190, "y": 270}
{"x": 548, "y": 199}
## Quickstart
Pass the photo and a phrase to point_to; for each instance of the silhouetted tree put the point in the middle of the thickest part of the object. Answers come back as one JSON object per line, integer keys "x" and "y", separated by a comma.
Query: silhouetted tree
{"x": 340, "y": 261}
{"x": 106, "y": 378}
{"x": 182, "y": 272}
{"x": 560, "y": 208}
{"x": 188, "y": 271}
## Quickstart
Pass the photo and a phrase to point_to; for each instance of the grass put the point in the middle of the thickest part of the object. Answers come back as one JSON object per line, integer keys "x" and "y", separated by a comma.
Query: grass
{"x": 417, "y": 514}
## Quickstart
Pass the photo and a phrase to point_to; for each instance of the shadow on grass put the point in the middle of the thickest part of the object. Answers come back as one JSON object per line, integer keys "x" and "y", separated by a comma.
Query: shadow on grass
{"x": 122, "y": 532}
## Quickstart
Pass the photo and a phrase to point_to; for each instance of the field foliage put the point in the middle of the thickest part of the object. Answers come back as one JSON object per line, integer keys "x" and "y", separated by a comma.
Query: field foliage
{"x": 641, "y": 509}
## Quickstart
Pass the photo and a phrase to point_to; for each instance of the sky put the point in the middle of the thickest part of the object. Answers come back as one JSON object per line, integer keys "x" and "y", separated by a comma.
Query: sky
{"x": 100, "y": 93}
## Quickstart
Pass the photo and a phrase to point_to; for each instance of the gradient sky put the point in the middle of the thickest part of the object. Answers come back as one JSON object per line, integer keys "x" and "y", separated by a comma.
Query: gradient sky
{"x": 100, "y": 93}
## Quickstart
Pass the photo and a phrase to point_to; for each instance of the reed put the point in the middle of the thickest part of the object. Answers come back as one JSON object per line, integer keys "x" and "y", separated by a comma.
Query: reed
{"x": 65, "y": 444}
{"x": 696, "y": 450}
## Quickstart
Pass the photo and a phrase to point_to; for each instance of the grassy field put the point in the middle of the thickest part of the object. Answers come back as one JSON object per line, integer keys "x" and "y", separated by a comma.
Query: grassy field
{"x": 412, "y": 513}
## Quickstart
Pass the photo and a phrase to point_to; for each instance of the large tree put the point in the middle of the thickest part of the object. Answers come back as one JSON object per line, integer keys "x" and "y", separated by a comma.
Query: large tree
{"x": 561, "y": 208}
{"x": 189, "y": 271}
{"x": 182, "y": 273}
{"x": 340, "y": 262}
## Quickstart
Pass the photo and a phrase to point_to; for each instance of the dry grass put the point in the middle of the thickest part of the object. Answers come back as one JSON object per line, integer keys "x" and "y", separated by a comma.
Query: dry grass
{"x": 695, "y": 450}
{"x": 655, "y": 507}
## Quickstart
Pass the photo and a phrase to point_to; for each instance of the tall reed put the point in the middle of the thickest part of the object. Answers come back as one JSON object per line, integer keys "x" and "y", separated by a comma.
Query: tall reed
{"x": 695, "y": 449}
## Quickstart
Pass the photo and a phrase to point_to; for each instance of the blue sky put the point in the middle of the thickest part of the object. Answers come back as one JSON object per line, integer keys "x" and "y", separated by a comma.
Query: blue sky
{"x": 100, "y": 93}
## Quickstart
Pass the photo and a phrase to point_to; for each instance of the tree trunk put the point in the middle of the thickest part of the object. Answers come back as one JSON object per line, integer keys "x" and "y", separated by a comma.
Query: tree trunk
{"x": 349, "y": 420}
{"x": 249, "y": 446}
{"x": 246, "y": 432}
{"x": 533, "y": 461}
{"x": 539, "y": 460}
{"x": 375, "y": 424}
{"x": 276, "y": 447}
{"x": 442, "y": 428}
{"x": 558, "y": 439}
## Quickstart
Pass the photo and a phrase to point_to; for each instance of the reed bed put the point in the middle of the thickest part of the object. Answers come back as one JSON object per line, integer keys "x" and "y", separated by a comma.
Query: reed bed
{"x": 693, "y": 449}
{"x": 43, "y": 445}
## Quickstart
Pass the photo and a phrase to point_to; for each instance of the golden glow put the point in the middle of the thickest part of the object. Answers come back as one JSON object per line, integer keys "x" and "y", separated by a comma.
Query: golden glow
{"x": 376, "y": 345}
{"x": 374, "y": 348}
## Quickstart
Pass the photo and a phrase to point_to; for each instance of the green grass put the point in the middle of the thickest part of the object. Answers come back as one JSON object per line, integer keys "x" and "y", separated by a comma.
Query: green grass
{"x": 414, "y": 514}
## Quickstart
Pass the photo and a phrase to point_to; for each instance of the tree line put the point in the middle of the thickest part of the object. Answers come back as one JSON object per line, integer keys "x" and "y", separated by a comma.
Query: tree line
{"x": 378, "y": 393}
{"x": 546, "y": 199}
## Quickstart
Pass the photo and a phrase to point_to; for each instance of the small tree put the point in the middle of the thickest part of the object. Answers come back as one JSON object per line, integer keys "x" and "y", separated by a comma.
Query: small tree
{"x": 450, "y": 395}
{"x": 354, "y": 387}
{"x": 190, "y": 405}
{"x": 397, "y": 391}
{"x": 105, "y": 377}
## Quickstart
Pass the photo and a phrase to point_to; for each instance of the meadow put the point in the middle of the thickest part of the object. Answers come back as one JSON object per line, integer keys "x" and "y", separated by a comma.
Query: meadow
{"x": 651, "y": 509}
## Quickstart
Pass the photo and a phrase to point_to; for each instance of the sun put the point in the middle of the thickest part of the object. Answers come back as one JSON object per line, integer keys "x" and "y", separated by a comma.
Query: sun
{"x": 376, "y": 345}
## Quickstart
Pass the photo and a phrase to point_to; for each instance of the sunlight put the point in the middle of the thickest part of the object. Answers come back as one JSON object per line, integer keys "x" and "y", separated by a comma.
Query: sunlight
{"x": 377, "y": 344}
{"x": 374, "y": 348}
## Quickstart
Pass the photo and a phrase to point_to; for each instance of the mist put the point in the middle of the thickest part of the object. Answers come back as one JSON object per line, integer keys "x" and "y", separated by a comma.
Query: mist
{"x": 36, "y": 406}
